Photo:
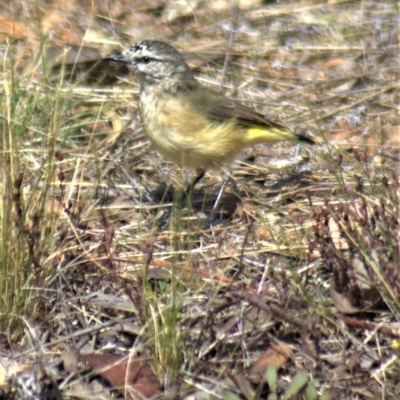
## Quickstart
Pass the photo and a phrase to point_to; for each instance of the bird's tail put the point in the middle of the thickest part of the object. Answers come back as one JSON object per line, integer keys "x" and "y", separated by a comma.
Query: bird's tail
{"x": 259, "y": 135}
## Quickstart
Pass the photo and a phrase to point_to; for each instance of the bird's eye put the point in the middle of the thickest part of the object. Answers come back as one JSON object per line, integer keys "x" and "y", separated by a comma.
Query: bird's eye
{"x": 146, "y": 60}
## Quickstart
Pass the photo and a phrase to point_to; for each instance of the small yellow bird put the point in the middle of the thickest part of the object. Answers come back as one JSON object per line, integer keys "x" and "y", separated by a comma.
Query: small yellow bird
{"x": 188, "y": 123}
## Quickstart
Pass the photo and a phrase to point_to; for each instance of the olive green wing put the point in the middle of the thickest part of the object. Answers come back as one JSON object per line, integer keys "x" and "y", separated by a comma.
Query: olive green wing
{"x": 219, "y": 108}
{"x": 244, "y": 115}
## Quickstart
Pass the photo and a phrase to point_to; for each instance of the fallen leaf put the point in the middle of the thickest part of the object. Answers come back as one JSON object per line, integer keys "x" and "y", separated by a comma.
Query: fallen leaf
{"x": 87, "y": 391}
{"x": 131, "y": 376}
{"x": 276, "y": 355}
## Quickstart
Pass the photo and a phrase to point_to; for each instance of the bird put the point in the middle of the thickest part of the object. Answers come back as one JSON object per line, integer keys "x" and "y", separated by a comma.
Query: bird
{"x": 188, "y": 123}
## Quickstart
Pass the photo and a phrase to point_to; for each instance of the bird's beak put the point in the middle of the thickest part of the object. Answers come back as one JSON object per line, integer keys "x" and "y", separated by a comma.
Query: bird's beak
{"x": 117, "y": 58}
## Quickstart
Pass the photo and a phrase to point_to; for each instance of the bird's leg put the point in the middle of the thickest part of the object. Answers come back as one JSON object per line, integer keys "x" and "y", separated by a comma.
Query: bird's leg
{"x": 195, "y": 181}
{"x": 227, "y": 174}
{"x": 189, "y": 189}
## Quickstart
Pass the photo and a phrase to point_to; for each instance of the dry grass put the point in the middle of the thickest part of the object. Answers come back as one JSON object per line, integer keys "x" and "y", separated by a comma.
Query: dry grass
{"x": 301, "y": 269}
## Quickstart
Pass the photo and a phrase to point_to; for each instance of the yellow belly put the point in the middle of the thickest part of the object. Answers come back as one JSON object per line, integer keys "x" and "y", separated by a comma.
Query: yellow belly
{"x": 189, "y": 139}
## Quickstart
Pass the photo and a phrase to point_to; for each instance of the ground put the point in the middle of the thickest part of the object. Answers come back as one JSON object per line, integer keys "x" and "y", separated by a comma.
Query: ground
{"x": 114, "y": 286}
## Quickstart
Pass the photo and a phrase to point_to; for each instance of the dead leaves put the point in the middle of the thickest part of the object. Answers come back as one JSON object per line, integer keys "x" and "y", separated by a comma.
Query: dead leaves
{"x": 131, "y": 376}
{"x": 276, "y": 356}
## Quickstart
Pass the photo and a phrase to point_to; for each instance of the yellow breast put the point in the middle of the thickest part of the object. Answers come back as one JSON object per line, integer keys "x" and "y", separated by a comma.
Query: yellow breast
{"x": 186, "y": 136}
